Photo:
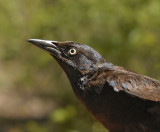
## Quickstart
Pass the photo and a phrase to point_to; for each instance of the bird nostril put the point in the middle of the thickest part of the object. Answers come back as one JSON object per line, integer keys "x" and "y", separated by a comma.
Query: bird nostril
{"x": 54, "y": 42}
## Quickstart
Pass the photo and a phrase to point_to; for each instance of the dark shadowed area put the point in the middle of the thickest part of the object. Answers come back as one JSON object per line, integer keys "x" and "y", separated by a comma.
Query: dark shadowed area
{"x": 35, "y": 94}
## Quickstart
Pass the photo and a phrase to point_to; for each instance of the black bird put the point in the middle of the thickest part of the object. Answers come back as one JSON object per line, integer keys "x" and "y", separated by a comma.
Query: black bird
{"x": 123, "y": 101}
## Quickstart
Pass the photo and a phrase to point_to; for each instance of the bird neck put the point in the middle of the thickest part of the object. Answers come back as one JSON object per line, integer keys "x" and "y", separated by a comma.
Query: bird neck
{"x": 84, "y": 82}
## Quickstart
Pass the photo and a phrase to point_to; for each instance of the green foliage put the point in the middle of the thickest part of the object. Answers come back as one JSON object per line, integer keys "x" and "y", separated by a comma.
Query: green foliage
{"x": 35, "y": 127}
{"x": 63, "y": 114}
{"x": 125, "y": 32}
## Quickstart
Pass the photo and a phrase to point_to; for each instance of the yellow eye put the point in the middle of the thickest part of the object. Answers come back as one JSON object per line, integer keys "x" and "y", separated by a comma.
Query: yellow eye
{"x": 72, "y": 51}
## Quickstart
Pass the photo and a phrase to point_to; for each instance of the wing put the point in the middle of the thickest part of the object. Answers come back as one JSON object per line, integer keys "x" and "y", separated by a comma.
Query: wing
{"x": 134, "y": 84}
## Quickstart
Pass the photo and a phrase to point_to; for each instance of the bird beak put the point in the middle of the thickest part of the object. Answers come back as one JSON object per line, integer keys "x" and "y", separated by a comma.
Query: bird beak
{"x": 47, "y": 45}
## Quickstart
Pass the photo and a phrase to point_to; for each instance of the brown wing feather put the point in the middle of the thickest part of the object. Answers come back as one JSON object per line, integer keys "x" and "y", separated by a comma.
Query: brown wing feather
{"x": 134, "y": 84}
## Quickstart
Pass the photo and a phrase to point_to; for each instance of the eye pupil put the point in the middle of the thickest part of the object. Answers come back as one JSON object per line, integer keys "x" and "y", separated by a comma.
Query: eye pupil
{"x": 72, "y": 51}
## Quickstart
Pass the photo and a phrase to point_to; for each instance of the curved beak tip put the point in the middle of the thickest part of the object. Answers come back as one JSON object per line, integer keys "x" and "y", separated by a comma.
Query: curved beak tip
{"x": 33, "y": 40}
{"x": 29, "y": 40}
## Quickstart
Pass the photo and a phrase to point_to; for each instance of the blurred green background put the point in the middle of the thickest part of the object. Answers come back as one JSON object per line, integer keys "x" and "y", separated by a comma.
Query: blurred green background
{"x": 35, "y": 94}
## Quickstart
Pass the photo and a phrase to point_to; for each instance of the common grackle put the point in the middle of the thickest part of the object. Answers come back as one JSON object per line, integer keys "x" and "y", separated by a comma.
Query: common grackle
{"x": 123, "y": 101}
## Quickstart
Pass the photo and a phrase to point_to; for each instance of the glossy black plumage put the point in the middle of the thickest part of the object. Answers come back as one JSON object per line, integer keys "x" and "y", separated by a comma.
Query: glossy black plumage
{"x": 123, "y": 101}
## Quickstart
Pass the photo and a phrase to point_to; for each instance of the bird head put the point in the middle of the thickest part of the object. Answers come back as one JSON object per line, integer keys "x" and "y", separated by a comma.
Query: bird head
{"x": 70, "y": 55}
{"x": 77, "y": 60}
